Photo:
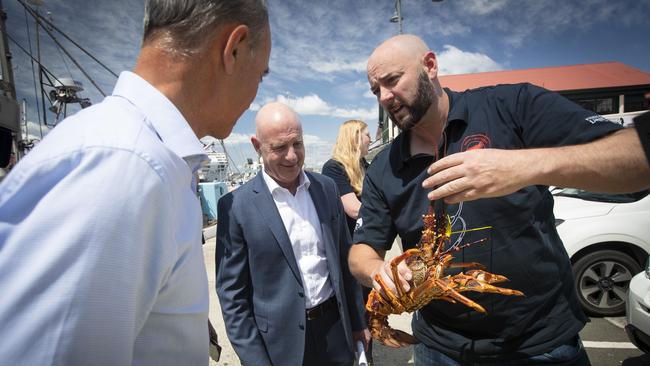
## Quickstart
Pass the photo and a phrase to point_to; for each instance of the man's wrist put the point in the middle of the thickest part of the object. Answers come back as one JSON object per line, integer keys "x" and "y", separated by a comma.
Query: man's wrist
{"x": 377, "y": 265}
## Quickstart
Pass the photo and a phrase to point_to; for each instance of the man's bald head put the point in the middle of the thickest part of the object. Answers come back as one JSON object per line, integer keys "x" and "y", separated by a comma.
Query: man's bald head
{"x": 275, "y": 116}
{"x": 403, "y": 74}
{"x": 278, "y": 139}
{"x": 405, "y": 48}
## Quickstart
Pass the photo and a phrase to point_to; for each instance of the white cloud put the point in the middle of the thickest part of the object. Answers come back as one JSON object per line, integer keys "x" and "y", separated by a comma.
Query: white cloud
{"x": 238, "y": 138}
{"x": 514, "y": 26}
{"x": 234, "y": 139}
{"x": 456, "y": 61}
{"x": 317, "y": 151}
{"x": 314, "y": 140}
{"x": 255, "y": 106}
{"x": 318, "y": 40}
{"x": 483, "y": 7}
{"x": 363, "y": 87}
{"x": 368, "y": 94}
{"x": 314, "y": 105}
{"x": 309, "y": 105}
{"x": 352, "y": 91}
{"x": 338, "y": 66}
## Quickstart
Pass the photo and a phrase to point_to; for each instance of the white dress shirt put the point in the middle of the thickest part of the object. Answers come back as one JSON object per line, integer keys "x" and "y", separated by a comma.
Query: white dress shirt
{"x": 100, "y": 247}
{"x": 301, "y": 221}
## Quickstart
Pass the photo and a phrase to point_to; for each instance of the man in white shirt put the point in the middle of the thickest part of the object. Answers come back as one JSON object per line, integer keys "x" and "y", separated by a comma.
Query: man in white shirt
{"x": 100, "y": 229}
{"x": 285, "y": 290}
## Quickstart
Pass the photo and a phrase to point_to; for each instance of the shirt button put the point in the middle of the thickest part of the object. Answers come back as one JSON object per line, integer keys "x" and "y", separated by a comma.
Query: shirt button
{"x": 301, "y": 294}
{"x": 301, "y": 326}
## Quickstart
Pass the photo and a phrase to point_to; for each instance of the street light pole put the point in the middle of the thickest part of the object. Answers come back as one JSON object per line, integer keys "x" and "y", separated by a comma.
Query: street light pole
{"x": 397, "y": 17}
{"x": 398, "y": 7}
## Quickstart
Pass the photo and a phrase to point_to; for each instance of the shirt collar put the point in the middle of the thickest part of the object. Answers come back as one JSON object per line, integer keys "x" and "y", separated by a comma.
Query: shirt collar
{"x": 403, "y": 148}
{"x": 457, "y": 114}
{"x": 162, "y": 116}
{"x": 273, "y": 185}
{"x": 457, "y": 107}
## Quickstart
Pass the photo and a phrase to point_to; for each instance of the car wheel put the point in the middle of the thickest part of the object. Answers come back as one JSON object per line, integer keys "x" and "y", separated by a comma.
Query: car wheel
{"x": 602, "y": 280}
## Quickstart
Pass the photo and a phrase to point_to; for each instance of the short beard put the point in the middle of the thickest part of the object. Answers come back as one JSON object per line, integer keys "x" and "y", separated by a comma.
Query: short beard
{"x": 423, "y": 99}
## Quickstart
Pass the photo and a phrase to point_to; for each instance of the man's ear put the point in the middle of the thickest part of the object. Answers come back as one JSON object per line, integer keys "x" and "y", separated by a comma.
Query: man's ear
{"x": 430, "y": 64}
{"x": 237, "y": 40}
{"x": 256, "y": 144}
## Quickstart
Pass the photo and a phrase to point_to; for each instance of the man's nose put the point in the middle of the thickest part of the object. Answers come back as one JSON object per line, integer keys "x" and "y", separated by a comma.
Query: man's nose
{"x": 291, "y": 154}
{"x": 385, "y": 97}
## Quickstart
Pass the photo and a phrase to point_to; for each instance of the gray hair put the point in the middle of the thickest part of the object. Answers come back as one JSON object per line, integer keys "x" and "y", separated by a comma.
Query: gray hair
{"x": 185, "y": 26}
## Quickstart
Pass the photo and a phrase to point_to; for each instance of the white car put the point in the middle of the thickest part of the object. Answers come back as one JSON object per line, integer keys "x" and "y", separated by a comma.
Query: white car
{"x": 607, "y": 238}
{"x": 638, "y": 310}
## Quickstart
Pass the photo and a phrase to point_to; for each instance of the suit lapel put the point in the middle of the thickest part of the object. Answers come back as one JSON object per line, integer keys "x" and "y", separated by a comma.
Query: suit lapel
{"x": 325, "y": 216}
{"x": 269, "y": 211}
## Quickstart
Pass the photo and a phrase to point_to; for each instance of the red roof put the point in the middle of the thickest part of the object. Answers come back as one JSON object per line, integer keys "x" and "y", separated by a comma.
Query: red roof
{"x": 561, "y": 78}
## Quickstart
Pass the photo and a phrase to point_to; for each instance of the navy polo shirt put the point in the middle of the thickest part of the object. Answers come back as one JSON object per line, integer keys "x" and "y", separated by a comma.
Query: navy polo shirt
{"x": 335, "y": 170}
{"x": 522, "y": 243}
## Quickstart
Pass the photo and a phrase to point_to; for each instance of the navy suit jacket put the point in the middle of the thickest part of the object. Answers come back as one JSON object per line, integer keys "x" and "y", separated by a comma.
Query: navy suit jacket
{"x": 258, "y": 279}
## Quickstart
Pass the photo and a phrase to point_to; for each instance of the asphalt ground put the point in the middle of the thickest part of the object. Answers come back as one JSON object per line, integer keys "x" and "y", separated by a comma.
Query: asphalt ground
{"x": 604, "y": 338}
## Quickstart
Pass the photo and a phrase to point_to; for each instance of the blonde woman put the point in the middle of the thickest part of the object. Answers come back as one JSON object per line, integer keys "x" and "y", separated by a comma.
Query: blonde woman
{"x": 348, "y": 166}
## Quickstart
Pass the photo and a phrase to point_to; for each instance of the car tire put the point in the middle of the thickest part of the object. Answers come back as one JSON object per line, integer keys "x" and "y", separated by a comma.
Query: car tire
{"x": 602, "y": 279}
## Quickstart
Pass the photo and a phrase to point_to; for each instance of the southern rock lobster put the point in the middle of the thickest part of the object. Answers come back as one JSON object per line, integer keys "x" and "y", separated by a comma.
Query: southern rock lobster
{"x": 427, "y": 263}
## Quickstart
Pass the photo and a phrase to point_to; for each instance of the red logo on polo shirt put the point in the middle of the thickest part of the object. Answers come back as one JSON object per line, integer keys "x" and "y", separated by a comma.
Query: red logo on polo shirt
{"x": 473, "y": 142}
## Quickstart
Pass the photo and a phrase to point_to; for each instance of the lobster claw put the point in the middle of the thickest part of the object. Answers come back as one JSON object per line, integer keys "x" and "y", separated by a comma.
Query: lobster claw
{"x": 382, "y": 332}
{"x": 398, "y": 339}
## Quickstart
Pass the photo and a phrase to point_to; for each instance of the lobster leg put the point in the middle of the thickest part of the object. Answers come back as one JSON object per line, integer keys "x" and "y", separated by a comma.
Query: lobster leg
{"x": 464, "y": 300}
{"x": 389, "y": 296}
{"x": 379, "y": 308}
{"x": 466, "y": 265}
{"x": 377, "y": 304}
{"x": 401, "y": 293}
{"x": 466, "y": 282}
{"x": 444, "y": 291}
{"x": 484, "y": 276}
{"x": 384, "y": 334}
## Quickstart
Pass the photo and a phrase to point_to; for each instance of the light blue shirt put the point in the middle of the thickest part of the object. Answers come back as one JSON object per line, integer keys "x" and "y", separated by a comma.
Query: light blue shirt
{"x": 100, "y": 240}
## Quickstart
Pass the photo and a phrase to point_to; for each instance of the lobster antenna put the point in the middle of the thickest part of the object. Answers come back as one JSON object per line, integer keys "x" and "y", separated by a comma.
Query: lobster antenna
{"x": 459, "y": 247}
{"x": 438, "y": 207}
{"x": 474, "y": 229}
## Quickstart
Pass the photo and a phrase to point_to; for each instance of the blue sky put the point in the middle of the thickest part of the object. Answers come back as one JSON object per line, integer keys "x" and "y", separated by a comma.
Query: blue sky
{"x": 320, "y": 49}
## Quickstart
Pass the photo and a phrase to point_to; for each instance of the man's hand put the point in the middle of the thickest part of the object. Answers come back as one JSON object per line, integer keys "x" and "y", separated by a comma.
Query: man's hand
{"x": 403, "y": 272}
{"x": 475, "y": 174}
{"x": 363, "y": 336}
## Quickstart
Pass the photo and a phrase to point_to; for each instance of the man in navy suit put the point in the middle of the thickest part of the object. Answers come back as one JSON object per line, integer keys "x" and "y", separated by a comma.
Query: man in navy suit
{"x": 284, "y": 286}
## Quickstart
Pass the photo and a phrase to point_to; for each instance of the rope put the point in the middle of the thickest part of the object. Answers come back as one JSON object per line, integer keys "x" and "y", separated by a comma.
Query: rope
{"x": 38, "y": 107}
{"x": 36, "y": 15}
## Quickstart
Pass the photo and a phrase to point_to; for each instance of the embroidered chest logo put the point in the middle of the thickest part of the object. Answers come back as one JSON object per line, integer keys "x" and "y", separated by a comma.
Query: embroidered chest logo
{"x": 473, "y": 142}
{"x": 596, "y": 118}
{"x": 358, "y": 224}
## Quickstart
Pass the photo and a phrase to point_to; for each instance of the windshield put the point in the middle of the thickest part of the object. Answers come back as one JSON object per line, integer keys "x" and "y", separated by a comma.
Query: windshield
{"x": 600, "y": 197}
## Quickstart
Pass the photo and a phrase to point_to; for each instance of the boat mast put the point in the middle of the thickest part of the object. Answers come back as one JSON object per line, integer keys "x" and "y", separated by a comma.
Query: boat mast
{"x": 8, "y": 86}
{"x": 10, "y": 134}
